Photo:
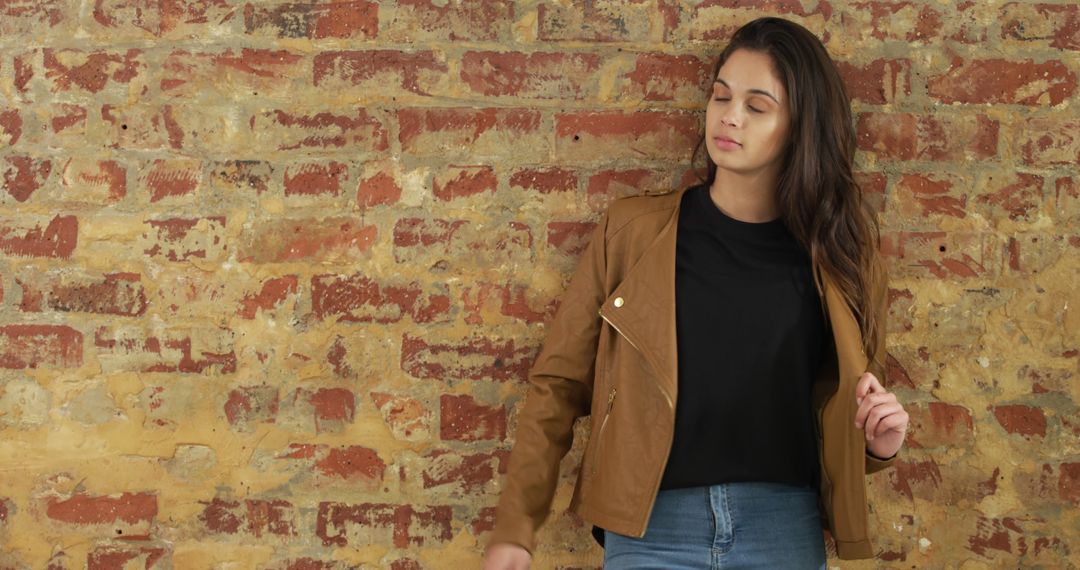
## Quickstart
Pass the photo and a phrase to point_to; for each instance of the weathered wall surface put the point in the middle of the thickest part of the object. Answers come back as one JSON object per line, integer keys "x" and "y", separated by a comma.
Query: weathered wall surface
{"x": 272, "y": 274}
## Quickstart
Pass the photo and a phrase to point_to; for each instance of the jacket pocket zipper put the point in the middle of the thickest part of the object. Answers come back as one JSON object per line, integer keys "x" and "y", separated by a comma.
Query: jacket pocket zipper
{"x": 599, "y": 432}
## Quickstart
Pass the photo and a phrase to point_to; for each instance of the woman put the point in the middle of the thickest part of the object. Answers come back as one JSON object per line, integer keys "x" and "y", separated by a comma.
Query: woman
{"x": 727, "y": 340}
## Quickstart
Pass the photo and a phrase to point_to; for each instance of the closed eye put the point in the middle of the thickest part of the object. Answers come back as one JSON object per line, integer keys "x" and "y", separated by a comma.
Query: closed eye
{"x": 751, "y": 107}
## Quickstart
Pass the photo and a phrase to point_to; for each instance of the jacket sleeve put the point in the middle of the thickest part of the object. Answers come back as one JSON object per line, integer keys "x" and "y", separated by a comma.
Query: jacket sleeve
{"x": 876, "y": 367}
{"x": 560, "y": 390}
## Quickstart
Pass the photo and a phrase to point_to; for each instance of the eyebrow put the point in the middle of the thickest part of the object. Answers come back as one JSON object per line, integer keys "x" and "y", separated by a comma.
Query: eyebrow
{"x": 759, "y": 91}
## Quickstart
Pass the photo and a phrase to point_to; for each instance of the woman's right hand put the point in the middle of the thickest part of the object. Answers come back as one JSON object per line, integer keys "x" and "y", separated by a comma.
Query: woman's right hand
{"x": 507, "y": 556}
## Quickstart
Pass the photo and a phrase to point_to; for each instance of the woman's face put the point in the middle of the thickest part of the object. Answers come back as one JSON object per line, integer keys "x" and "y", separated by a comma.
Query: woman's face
{"x": 749, "y": 109}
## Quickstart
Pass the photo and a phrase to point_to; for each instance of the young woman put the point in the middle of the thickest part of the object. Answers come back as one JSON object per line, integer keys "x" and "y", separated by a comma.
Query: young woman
{"x": 727, "y": 340}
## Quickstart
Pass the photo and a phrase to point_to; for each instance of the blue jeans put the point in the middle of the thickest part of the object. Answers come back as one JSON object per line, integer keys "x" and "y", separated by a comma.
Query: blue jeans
{"x": 740, "y": 525}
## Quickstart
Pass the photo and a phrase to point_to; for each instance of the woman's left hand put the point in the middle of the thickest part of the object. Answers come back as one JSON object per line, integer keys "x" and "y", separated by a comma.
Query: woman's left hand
{"x": 885, "y": 419}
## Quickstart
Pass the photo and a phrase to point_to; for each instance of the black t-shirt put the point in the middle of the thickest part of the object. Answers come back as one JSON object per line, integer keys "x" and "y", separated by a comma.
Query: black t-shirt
{"x": 750, "y": 338}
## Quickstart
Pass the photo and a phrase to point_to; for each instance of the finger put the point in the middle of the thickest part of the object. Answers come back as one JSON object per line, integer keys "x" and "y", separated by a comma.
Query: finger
{"x": 892, "y": 422}
{"x": 877, "y": 414}
{"x": 867, "y": 384}
{"x": 869, "y": 402}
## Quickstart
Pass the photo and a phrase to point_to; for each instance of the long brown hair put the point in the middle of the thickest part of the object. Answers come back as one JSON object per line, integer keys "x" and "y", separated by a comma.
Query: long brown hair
{"x": 819, "y": 200}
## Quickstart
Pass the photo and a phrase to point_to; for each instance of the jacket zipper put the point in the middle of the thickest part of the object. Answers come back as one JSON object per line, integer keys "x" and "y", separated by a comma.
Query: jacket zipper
{"x": 667, "y": 454}
{"x": 599, "y": 432}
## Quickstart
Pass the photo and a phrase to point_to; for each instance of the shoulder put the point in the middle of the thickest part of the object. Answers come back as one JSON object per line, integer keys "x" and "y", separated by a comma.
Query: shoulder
{"x": 645, "y": 209}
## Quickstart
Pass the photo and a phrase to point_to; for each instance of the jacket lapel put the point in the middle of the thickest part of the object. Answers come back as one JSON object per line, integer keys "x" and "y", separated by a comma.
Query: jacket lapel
{"x": 646, "y": 313}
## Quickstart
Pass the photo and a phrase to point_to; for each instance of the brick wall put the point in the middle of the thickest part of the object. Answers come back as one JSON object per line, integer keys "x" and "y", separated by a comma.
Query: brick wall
{"x": 272, "y": 274}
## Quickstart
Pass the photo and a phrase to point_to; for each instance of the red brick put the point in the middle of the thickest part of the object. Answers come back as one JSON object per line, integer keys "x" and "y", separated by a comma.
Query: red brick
{"x": 1017, "y": 196}
{"x": 667, "y": 77}
{"x": 24, "y": 175}
{"x": 605, "y": 186}
{"x": 337, "y": 356}
{"x": 158, "y": 19}
{"x": 463, "y": 473}
{"x": 314, "y": 179}
{"x": 751, "y": 9}
{"x": 36, "y": 346}
{"x": 545, "y": 180}
{"x": 356, "y": 130}
{"x": 1021, "y": 420}
{"x": 484, "y": 520}
{"x": 634, "y": 135}
{"x": 968, "y": 23}
{"x": 920, "y": 474}
{"x": 103, "y": 180}
{"x": 333, "y": 407}
{"x": 132, "y": 508}
{"x": 474, "y": 358}
{"x": 124, "y": 348}
{"x": 570, "y": 238}
{"x": 25, "y": 18}
{"x": 437, "y": 132}
{"x": 1003, "y": 81}
{"x": 872, "y": 186}
{"x": 930, "y": 196}
{"x": 255, "y": 517}
{"x": 358, "y": 298}
{"x": 1049, "y": 140}
{"x": 24, "y": 65}
{"x": 407, "y": 418}
{"x": 938, "y": 424}
{"x": 889, "y": 21}
{"x": 387, "y": 70}
{"x": 431, "y": 20}
{"x": 1055, "y": 26}
{"x": 945, "y": 255}
{"x": 172, "y": 178}
{"x": 904, "y": 136}
{"x": 877, "y": 82}
{"x": 251, "y": 404}
{"x": 11, "y": 126}
{"x": 621, "y": 21}
{"x": 996, "y": 534}
{"x": 150, "y": 555}
{"x": 352, "y": 462}
{"x": 25, "y": 238}
{"x": 118, "y": 294}
{"x": 379, "y": 189}
{"x": 404, "y": 526}
{"x": 92, "y": 72}
{"x": 67, "y": 123}
{"x": 463, "y": 419}
{"x": 349, "y": 19}
{"x": 272, "y": 293}
{"x": 439, "y": 243}
{"x": 512, "y": 301}
{"x": 463, "y": 181}
{"x": 279, "y": 240}
{"x": 534, "y": 75}
{"x": 191, "y": 74}
{"x": 148, "y": 126}
{"x": 179, "y": 239}
{"x": 1069, "y": 482}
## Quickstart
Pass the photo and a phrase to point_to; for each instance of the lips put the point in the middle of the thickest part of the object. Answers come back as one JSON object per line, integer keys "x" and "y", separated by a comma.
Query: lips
{"x": 727, "y": 140}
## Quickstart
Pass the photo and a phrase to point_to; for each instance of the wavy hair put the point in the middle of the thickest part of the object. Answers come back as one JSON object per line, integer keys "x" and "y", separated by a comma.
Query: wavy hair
{"x": 818, "y": 198}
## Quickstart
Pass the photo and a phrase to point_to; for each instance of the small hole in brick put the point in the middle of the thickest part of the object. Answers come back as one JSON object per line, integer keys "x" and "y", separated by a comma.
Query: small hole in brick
{"x": 941, "y": 248}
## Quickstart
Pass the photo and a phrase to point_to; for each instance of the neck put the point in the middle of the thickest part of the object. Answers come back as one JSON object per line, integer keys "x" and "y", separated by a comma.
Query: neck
{"x": 745, "y": 197}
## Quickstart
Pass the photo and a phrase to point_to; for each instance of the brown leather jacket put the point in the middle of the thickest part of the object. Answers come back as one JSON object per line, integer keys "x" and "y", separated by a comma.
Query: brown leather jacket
{"x": 610, "y": 352}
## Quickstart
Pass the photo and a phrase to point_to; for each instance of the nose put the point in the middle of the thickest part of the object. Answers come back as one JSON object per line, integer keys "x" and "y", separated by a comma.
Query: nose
{"x": 730, "y": 117}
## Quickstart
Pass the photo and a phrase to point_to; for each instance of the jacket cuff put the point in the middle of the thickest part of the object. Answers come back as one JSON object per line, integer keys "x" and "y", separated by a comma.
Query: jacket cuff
{"x": 517, "y": 530}
{"x": 874, "y": 464}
